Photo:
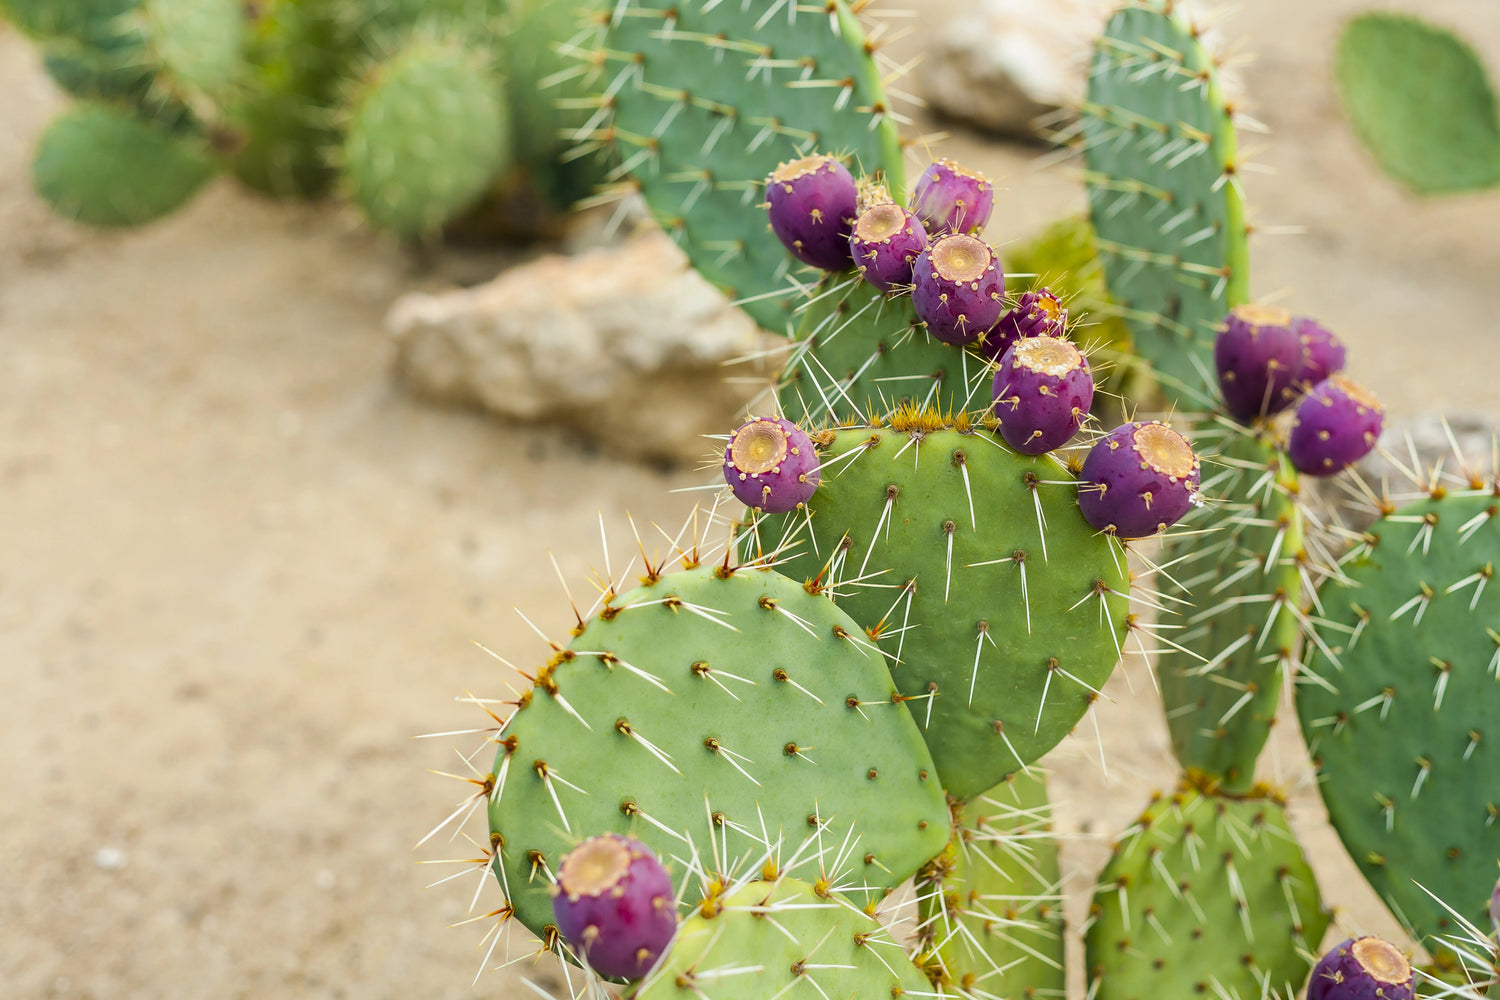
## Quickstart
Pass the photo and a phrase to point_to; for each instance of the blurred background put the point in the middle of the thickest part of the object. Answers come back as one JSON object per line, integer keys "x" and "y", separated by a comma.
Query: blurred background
{"x": 248, "y": 542}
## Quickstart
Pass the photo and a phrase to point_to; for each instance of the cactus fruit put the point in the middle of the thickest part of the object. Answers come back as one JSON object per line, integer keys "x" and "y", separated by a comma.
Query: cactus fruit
{"x": 991, "y": 904}
{"x": 949, "y": 199}
{"x": 1043, "y": 390}
{"x": 1004, "y": 611}
{"x": 706, "y": 98}
{"x": 1259, "y": 361}
{"x": 1138, "y": 479}
{"x": 1420, "y": 101}
{"x": 721, "y": 705}
{"x": 770, "y": 938}
{"x": 958, "y": 288}
{"x": 1323, "y": 353}
{"x": 429, "y": 132}
{"x": 812, "y": 205}
{"x": 1204, "y": 895}
{"x": 1364, "y": 968}
{"x": 771, "y": 465}
{"x": 106, "y": 167}
{"x": 615, "y": 905}
{"x": 1495, "y": 909}
{"x": 1337, "y": 424}
{"x": 1038, "y": 312}
{"x": 1159, "y": 149}
{"x": 1398, "y": 703}
{"x": 886, "y": 242}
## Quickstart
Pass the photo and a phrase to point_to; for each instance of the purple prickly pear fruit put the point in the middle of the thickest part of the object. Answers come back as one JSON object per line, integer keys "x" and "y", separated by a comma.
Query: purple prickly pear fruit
{"x": 1259, "y": 360}
{"x": 812, "y": 203}
{"x": 614, "y": 905}
{"x": 1495, "y": 908}
{"x": 1364, "y": 968}
{"x": 1138, "y": 479}
{"x": 958, "y": 289}
{"x": 1043, "y": 391}
{"x": 1322, "y": 351}
{"x": 1039, "y": 313}
{"x": 1336, "y": 425}
{"x": 950, "y": 199}
{"x": 771, "y": 465}
{"x": 886, "y": 242}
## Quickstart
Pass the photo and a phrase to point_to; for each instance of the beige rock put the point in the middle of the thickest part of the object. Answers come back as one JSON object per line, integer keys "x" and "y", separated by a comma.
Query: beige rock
{"x": 627, "y": 345}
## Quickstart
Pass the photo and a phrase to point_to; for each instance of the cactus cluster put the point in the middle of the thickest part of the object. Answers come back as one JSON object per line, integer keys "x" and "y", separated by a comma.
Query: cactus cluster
{"x": 418, "y": 113}
{"x": 717, "y": 785}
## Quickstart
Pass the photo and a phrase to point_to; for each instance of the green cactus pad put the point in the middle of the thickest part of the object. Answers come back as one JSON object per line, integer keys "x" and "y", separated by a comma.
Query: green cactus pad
{"x": 1242, "y": 635}
{"x": 760, "y": 939}
{"x": 706, "y": 105}
{"x": 429, "y": 133}
{"x": 1159, "y": 151}
{"x": 80, "y": 20}
{"x": 860, "y": 355}
{"x": 1204, "y": 896}
{"x": 198, "y": 41}
{"x": 732, "y": 695}
{"x": 933, "y": 538}
{"x": 1404, "y": 720}
{"x": 105, "y": 167}
{"x": 1420, "y": 101}
{"x": 991, "y": 904}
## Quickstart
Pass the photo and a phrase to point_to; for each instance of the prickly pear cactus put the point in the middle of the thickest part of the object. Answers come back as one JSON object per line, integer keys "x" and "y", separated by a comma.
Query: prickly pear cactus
{"x": 715, "y": 706}
{"x": 106, "y": 167}
{"x": 991, "y": 903}
{"x": 1003, "y": 611}
{"x": 1399, "y": 704}
{"x": 1205, "y": 896}
{"x": 768, "y": 938}
{"x": 1159, "y": 149}
{"x": 708, "y": 98}
{"x": 430, "y": 132}
{"x": 859, "y": 353}
{"x": 1242, "y": 634}
{"x": 198, "y": 42}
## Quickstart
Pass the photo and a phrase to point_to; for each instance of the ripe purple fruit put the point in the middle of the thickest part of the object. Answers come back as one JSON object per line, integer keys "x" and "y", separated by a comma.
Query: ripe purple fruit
{"x": 958, "y": 288}
{"x": 950, "y": 199}
{"x": 1039, "y": 313}
{"x": 1138, "y": 479}
{"x": 771, "y": 465}
{"x": 886, "y": 242}
{"x": 1364, "y": 968}
{"x": 615, "y": 905}
{"x": 812, "y": 204}
{"x": 1322, "y": 351}
{"x": 1336, "y": 425}
{"x": 1495, "y": 908}
{"x": 1259, "y": 360}
{"x": 1043, "y": 391}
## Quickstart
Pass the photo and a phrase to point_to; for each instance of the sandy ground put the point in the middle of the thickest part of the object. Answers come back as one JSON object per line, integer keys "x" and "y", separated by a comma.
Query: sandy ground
{"x": 241, "y": 570}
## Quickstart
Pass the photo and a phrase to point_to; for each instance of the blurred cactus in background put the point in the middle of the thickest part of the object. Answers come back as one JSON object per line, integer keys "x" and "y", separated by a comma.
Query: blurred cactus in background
{"x": 419, "y": 113}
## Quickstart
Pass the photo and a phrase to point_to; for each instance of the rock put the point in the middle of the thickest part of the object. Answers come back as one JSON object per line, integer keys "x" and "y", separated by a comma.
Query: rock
{"x": 1003, "y": 64}
{"x": 626, "y": 345}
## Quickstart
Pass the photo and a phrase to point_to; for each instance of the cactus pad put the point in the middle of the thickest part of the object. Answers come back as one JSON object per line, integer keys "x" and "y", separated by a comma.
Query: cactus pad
{"x": 108, "y": 168}
{"x": 708, "y": 98}
{"x": 1205, "y": 896}
{"x": 430, "y": 132}
{"x": 1242, "y": 634}
{"x": 859, "y": 355}
{"x": 198, "y": 41}
{"x": 726, "y": 707}
{"x": 1404, "y": 719}
{"x": 1159, "y": 149}
{"x": 767, "y": 939}
{"x": 1420, "y": 101}
{"x": 992, "y": 902}
{"x": 1004, "y": 609}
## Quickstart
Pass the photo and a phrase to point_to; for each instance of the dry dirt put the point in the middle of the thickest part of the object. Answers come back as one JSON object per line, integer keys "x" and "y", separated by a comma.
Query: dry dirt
{"x": 242, "y": 570}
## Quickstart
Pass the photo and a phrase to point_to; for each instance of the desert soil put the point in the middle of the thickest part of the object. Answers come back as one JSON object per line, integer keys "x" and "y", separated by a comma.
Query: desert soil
{"x": 242, "y": 570}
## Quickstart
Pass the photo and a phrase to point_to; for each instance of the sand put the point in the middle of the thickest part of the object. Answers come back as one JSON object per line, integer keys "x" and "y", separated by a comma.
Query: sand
{"x": 242, "y": 570}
